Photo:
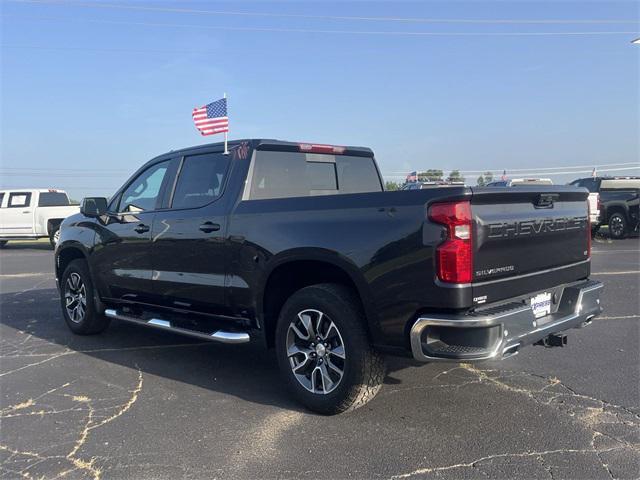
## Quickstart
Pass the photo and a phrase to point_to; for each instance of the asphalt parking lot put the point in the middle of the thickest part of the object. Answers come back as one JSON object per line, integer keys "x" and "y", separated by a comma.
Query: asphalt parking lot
{"x": 135, "y": 403}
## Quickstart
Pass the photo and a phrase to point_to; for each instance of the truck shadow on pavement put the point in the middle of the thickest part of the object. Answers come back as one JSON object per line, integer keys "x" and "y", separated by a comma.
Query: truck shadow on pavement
{"x": 59, "y": 388}
{"x": 29, "y": 245}
{"x": 39, "y": 333}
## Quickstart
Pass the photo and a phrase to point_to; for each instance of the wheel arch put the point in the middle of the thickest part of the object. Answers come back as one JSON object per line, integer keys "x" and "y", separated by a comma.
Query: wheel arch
{"x": 66, "y": 254}
{"x": 53, "y": 224}
{"x": 296, "y": 270}
{"x": 617, "y": 208}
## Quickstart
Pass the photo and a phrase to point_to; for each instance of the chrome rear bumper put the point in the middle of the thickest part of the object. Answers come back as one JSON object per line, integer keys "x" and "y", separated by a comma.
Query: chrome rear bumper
{"x": 499, "y": 332}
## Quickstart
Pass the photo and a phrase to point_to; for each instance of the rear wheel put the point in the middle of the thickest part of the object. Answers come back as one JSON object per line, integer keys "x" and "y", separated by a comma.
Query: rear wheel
{"x": 617, "y": 226}
{"x": 324, "y": 352}
{"x": 76, "y": 296}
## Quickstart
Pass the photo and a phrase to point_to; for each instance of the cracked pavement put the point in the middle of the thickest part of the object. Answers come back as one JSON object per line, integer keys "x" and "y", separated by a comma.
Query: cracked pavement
{"x": 136, "y": 403}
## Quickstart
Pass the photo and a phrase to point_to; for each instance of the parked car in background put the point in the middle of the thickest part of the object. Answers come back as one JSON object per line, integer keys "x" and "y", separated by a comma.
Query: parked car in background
{"x": 594, "y": 209}
{"x": 433, "y": 184}
{"x": 298, "y": 247}
{"x": 29, "y": 214}
{"x": 514, "y": 182}
{"x": 618, "y": 199}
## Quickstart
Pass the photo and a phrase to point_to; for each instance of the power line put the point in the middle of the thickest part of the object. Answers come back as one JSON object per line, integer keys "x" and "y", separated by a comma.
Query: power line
{"x": 43, "y": 169}
{"x": 59, "y": 175}
{"x": 331, "y": 17}
{"x": 537, "y": 174}
{"x": 82, "y": 172}
{"x": 539, "y": 169}
{"x": 321, "y": 31}
{"x": 110, "y": 50}
{"x": 59, "y": 187}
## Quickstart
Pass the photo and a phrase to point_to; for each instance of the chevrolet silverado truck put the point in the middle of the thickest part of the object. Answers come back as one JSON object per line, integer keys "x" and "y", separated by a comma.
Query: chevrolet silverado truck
{"x": 30, "y": 214}
{"x": 297, "y": 247}
{"x": 618, "y": 203}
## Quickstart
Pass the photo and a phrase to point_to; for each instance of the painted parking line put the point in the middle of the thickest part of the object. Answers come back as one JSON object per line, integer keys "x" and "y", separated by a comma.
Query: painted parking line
{"x": 600, "y": 252}
{"x": 24, "y": 275}
{"x": 627, "y": 272}
{"x": 619, "y": 317}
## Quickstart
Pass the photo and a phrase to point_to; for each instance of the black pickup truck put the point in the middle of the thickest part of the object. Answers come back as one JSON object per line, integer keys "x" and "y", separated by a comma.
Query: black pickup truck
{"x": 298, "y": 247}
{"x": 618, "y": 202}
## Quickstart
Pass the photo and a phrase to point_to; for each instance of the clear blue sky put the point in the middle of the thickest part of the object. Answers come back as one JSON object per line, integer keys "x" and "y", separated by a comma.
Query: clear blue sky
{"x": 98, "y": 91}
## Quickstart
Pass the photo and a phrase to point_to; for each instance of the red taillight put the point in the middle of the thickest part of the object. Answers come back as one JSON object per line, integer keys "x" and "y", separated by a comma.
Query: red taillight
{"x": 316, "y": 148}
{"x": 454, "y": 257}
{"x": 589, "y": 229}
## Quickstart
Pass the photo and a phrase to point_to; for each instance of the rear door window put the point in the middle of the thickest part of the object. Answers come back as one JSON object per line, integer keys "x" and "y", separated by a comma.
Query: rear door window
{"x": 298, "y": 174}
{"x": 19, "y": 199}
{"x": 200, "y": 180}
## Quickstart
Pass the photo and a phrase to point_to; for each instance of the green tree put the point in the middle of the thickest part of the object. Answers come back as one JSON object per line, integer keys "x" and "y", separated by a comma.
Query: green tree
{"x": 391, "y": 186}
{"x": 484, "y": 179}
{"x": 455, "y": 176}
{"x": 431, "y": 175}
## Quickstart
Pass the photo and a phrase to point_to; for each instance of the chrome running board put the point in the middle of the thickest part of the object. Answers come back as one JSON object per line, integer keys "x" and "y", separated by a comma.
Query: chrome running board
{"x": 221, "y": 336}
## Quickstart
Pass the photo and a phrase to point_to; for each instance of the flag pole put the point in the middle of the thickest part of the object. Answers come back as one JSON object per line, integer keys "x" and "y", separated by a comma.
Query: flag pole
{"x": 226, "y": 150}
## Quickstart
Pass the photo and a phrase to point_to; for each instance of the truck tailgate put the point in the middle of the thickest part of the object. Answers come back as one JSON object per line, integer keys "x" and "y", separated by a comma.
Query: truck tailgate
{"x": 528, "y": 238}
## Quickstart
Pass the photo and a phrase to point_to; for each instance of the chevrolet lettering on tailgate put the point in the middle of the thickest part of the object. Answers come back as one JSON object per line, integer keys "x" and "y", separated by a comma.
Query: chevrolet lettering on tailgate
{"x": 536, "y": 227}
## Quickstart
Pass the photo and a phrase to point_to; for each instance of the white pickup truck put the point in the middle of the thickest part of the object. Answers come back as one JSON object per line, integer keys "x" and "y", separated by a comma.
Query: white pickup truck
{"x": 31, "y": 214}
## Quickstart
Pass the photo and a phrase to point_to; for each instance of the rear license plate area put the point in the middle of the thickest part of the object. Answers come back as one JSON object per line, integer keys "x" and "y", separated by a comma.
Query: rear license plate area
{"x": 541, "y": 304}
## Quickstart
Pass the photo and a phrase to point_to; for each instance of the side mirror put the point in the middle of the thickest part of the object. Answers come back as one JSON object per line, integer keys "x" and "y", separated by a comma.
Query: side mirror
{"x": 93, "y": 206}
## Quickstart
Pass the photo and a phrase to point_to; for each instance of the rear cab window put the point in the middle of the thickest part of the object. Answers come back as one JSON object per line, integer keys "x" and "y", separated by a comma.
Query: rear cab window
{"x": 276, "y": 174}
{"x": 590, "y": 184}
{"x": 53, "y": 199}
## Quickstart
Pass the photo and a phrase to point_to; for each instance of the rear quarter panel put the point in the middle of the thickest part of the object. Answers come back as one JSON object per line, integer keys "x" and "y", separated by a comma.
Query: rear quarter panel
{"x": 44, "y": 214}
{"x": 380, "y": 239}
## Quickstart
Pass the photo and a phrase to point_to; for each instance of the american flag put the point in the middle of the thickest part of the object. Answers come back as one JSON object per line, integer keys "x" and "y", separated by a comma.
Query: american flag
{"x": 212, "y": 118}
{"x": 412, "y": 177}
{"x": 241, "y": 151}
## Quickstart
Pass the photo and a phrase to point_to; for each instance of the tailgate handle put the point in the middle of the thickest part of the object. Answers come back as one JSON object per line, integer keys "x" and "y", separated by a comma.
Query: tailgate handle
{"x": 545, "y": 200}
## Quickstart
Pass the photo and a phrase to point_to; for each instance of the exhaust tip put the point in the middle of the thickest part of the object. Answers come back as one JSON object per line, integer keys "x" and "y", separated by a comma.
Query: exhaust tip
{"x": 587, "y": 322}
{"x": 510, "y": 351}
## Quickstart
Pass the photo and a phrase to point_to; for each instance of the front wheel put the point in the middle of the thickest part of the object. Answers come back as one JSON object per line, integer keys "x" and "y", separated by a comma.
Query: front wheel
{"x": 78, "y": 306}
{"x": 54, "y": 236}
{"x": 617, "y": 226}
{"x": 324, "y": 352}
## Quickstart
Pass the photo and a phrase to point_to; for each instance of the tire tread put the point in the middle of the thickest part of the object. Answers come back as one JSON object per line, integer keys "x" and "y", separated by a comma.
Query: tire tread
{"x": 372, "y": 366}
{"x": 94, "y": 322}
